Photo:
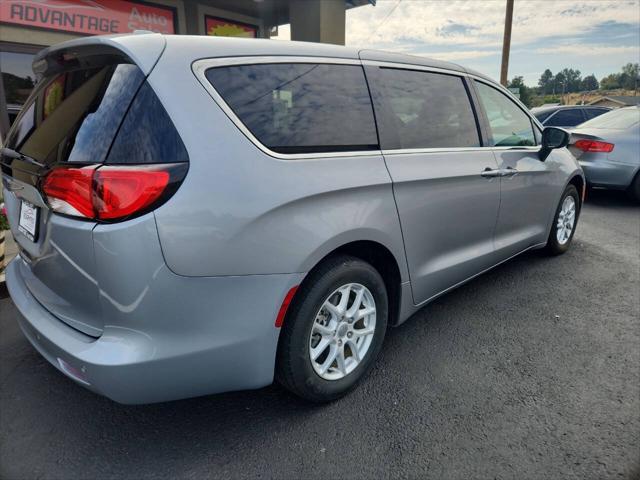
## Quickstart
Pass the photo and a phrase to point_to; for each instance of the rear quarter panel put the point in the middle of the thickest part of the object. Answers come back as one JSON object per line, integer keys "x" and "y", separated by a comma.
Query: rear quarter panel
{"x": 241, "y": 211}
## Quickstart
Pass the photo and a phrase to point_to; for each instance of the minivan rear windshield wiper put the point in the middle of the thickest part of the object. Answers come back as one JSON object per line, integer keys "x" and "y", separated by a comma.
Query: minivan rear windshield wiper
{"x": 11, "y": 153}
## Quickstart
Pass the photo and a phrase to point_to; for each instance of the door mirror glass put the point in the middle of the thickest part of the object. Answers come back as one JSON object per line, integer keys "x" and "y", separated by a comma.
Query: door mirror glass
{"x": 553, "y": 137}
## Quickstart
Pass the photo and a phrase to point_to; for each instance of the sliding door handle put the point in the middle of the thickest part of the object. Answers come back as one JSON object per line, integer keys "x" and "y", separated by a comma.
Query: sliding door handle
{"x": 490, "y": 173}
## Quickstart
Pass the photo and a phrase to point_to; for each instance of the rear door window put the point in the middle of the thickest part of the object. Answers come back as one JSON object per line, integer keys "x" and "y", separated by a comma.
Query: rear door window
{"x": 510, "y": 126}
{"x": 569, "y": 117}
{"x": 418, "y": 109}
{"x": 300, "y": 107}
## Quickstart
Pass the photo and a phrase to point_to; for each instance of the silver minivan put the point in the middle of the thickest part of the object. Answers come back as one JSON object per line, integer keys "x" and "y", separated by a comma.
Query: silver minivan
{"x": 197, "y": 215}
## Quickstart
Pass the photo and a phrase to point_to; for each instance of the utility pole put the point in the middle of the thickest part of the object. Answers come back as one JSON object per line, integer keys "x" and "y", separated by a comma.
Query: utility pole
{"x": 506, "y": 43}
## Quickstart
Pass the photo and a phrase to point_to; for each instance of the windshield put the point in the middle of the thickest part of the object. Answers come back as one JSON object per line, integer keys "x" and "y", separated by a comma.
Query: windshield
{"x": 620, "y": 119}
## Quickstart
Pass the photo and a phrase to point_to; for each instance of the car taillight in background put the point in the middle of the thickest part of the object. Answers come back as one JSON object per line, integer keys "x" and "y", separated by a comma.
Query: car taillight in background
{"x": 111, "y": 193}
{"x": 594, "y": 146}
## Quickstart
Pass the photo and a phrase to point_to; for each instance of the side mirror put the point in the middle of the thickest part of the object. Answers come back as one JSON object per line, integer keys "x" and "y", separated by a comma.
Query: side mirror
{"x": 553, "y": 137}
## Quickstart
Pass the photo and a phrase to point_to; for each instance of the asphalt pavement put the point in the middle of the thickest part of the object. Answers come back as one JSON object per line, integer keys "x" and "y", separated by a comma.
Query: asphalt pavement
{"x": 530, "y": 371}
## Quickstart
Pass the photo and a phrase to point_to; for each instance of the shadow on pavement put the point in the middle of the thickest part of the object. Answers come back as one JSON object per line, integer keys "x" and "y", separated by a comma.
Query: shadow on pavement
{"x": 609, "y": 198}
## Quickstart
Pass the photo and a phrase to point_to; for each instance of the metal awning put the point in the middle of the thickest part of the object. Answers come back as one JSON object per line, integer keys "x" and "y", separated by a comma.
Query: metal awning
{"x": 272, "y": 12}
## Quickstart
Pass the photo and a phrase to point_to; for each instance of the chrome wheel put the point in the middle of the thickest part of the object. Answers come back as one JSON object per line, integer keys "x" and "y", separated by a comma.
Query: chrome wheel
{"x": 342, "y": 331}
{"x": 566, "y": 220}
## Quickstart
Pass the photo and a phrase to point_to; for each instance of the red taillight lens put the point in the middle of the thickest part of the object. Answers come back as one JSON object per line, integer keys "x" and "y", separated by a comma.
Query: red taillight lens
{"x": 594, "y": 146}
{"x": 122, "y": 191}
{"x": 69, "y": 191}
{"x": 109, "y": 192}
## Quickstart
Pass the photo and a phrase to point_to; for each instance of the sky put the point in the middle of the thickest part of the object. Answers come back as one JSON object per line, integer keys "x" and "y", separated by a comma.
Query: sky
{"x": 592, "y": 36}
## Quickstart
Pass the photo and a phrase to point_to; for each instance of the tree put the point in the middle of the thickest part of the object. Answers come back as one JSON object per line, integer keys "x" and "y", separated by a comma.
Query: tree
{"x": 572, "y": 79}
{"x": 546, "y": 82}
{"x": 629, "y": 76}
{"x": 590, "y": 82}
{"x": 525, "y": 92}
{"x": 610, "y": 82}
{"x": 559, "y": 83}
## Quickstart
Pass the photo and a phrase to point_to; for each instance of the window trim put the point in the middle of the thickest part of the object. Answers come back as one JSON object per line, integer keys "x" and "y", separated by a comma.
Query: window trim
{"x": 200, "y": 67}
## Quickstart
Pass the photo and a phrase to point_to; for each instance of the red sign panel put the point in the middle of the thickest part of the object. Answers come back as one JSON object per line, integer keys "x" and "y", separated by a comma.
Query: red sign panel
{"x": 93, "y": 17}
{"x": 220, "y": 27}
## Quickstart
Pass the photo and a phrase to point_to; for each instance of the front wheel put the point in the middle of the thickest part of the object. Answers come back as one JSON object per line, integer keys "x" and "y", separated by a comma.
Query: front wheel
{"x": 564, "y": 222}
{"x": 334, "y": 330}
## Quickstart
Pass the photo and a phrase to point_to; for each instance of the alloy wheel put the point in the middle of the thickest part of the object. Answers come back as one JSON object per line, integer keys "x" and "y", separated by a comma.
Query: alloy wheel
{"x": 566, "y": 220}
{"x": 342, "y": 331}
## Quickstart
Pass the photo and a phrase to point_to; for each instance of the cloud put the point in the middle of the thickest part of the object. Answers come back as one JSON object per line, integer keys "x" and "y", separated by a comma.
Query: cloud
{"x": 476, "y": 23}
{"x": 591, "y": 35}
{"x": 453, "y": 29}
{"x": 590, "y": 51}
{"x": 456, "y": 55}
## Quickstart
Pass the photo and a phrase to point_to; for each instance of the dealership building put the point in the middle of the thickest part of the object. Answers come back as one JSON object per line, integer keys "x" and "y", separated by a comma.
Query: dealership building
{"x": 27, "y": 26}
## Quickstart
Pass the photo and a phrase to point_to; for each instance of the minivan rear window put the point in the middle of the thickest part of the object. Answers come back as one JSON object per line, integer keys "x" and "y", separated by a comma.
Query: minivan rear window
{"x": 147, "y": 134}
{"x": 106, "y": 114}
{"x": 73, "y": 116}
{"x": 300, "y": 108}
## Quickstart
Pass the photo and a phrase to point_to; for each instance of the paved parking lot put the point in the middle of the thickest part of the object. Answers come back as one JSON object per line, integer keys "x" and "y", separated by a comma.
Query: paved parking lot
{"x": 531, "y": 371}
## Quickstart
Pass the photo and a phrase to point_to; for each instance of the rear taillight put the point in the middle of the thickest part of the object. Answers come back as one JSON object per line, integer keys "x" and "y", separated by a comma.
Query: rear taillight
{"x": 123, "y": 191}
{"x": 111, "y": 193}
{"x": 594, "y": 146}
{"x": 69, "y": 191}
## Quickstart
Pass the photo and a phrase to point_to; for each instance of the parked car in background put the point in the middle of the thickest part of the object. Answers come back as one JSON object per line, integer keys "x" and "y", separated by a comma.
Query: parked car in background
{"x": 566, "y": 116}
{"x": 608, "y": 148}
{"x": 270, "y": 218}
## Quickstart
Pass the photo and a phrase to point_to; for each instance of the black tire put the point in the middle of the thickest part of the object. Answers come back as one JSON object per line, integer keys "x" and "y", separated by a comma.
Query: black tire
{"x": 554, "y": 247}
{"x": 634, "y": 189}
{"x": 294, "y": 369}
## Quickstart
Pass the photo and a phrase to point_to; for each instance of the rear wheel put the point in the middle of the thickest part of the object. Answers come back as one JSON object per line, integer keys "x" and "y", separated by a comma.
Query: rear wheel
{"x": 564, "y": 222}
{"x": 334, "y": 330}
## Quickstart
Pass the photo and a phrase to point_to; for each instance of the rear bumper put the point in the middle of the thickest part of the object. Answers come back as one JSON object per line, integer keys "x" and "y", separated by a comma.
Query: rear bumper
{"x": 223, "y": 340}
{"x": 601, "y": 172}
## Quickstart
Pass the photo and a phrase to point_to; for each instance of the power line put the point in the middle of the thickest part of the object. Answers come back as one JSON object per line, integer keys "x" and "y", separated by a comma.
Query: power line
{"x": 384, "y": 20}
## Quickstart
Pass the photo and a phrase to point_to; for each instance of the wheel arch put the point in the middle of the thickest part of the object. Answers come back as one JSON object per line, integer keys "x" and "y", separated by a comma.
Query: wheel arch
{"x": 382, "y": 259}
{"x": 578, "y": 181}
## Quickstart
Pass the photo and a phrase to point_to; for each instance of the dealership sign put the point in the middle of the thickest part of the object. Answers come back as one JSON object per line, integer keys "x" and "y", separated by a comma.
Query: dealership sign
{"x": 93, "y": 17}
{"x": 221, "y": 27}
